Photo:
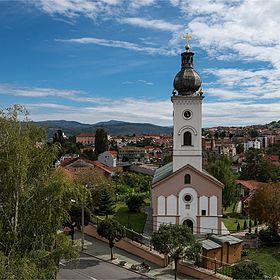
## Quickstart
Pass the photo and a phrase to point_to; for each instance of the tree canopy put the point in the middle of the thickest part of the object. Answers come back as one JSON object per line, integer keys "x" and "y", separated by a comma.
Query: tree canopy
{"x": 112, "y": 230}
{"x": 221, "y": 169}
{"x": 257, "y": 168}
{"x": 264, "y": 206}
{"x": 34, "y": 201}
{"x": 176, "y": 241}
{"x": 101, "y": 141}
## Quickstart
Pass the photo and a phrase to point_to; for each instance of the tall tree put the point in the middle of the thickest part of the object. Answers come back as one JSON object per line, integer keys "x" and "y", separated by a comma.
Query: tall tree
{"x": 112, "y": 230}
{"x": 265, "y": 205}
{"x": 106, "y": 203}
{"x": 34, "y": 200}
{"x": 101, "y": 141}
{"x": 221, "y": 169}
{"x": 256, "y": 168}
{"x": 176, "y": 241}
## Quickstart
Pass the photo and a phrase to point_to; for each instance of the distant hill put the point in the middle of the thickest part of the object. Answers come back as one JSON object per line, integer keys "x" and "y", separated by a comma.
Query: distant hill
{"x": 112, "y": 127}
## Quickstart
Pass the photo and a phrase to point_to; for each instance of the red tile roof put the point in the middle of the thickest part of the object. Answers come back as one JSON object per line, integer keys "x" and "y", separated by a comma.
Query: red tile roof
{"x": 86, "y": 134}
{"x": 250, "y": 184}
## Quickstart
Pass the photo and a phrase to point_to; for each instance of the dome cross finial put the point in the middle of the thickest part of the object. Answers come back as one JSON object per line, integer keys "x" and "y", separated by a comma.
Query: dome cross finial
{"x": 187, "y": 37}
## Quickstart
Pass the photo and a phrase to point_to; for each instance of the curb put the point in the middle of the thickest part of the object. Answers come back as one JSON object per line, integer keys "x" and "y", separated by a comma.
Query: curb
{"x": 108, "y": 261}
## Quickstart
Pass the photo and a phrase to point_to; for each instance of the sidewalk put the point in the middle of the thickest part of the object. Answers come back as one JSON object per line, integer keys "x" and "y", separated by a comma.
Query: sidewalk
{"x": 101, "y": 250}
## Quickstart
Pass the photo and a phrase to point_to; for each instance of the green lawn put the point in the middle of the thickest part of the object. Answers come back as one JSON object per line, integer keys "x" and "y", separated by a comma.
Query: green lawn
{"x": 231, "y": 223}
{"x": 268, "y": 258}
{"x": 135, "y": 221}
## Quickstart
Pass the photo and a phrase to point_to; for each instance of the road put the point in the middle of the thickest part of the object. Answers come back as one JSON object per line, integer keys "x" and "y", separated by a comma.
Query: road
{"x": 90, "y": 268}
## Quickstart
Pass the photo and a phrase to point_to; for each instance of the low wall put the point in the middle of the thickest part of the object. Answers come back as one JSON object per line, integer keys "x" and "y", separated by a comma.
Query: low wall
{"x": 200, "y": 273}
{"x": 131, "y": 247}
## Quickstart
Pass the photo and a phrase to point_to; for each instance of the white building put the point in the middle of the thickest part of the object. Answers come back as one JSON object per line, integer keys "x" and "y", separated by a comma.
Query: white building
{"x": 182, "y": 192}
{"x": 255, "y": 144}
{"x": 108, "y": 158}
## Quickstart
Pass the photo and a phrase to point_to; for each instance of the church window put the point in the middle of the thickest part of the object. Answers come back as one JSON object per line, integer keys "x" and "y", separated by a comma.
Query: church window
{"x": 188, "y": 206}
{"x": 188, "y": 198}
{"x": 187, "y": 138}
{"x": 187, "y": 179}
{"x": 203, "y": 212}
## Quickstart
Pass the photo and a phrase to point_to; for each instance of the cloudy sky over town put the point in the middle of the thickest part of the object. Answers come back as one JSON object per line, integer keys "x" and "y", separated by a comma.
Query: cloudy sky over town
{"x": 92, "y": 61}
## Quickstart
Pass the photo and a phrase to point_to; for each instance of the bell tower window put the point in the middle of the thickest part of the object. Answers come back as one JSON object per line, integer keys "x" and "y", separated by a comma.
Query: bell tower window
{"x": 187, "y": 179}
{"x": 187, "y": 138}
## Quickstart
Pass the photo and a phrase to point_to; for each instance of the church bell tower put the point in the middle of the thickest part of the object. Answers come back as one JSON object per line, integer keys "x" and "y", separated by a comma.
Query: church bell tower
{"x": 187, "y": 114}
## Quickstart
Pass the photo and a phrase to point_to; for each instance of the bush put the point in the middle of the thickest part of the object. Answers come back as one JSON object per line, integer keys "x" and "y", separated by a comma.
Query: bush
{"x": 268, "y": 236}
{"x": 247, "y": 270}
{"x": 244, "y": 253}
{"x": 238, "y": 227}
{"x": 134, "y": 202}
{"x": 245, "y": 225}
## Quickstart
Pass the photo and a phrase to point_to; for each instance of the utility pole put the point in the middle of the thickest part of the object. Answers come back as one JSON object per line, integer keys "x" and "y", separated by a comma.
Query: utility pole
{"x": 83, "y": 220}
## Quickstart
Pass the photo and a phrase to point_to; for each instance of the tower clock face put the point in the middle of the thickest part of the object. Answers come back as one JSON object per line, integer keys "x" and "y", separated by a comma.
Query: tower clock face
{"x": 187, "y": 114}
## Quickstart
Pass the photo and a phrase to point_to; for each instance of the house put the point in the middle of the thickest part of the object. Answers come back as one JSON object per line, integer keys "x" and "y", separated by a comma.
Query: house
{"x": 182, "y": 192}
{"x": 82, "y": 165}
{"x": 255, "y": 144}
{"x": 86, "y": 138}
{"x": 108, "y": 158}
{"x": 133, "y": 154}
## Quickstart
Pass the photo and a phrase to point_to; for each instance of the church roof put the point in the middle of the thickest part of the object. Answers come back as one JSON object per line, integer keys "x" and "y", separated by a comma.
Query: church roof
{"x": 167, "y": 170}
{"x": 163, "y": 172}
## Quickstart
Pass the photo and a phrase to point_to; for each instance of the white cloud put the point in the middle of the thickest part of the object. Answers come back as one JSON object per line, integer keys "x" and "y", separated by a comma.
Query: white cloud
{"x": 151, "y": 23}
{"x": 36, "y": 92}
{"x": 138, "y": 81}
{"x": 120, "y": 44}
{"x": 88, "y": 8}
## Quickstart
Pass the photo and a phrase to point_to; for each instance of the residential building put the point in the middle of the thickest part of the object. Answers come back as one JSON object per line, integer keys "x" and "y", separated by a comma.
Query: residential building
{"x": 86, "y": 138}
{"x": 255, "y": 144}
{"x": 108, "y": 158}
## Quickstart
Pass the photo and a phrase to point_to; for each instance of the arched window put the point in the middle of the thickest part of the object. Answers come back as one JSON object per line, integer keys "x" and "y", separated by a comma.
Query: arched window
{"x": 187, "y": 138}
{"x": 187, "y": 179}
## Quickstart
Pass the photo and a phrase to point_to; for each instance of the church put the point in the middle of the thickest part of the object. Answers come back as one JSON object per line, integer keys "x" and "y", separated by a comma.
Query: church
{"x": 182, "y": 192}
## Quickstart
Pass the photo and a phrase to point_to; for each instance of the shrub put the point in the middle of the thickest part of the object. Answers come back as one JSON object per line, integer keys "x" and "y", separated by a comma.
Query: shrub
{"x": 244, "y": 253}
{"x": 134, "y": 202}
{"x": 268, "y": 236}
{"x": 238, "y": 227}
{"x": 247, "y": 270}
{"x": 245, "y": 225}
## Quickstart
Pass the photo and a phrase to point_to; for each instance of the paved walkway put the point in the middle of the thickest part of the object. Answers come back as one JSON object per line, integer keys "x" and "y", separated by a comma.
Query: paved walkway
{"x": 101, "y": 250}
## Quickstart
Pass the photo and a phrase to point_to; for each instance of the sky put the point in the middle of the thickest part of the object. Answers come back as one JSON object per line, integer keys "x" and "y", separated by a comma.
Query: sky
{"x": 100, "y": 60}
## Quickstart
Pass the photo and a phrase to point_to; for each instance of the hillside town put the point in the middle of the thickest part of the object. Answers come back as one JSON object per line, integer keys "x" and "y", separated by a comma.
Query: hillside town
{"x": 139, "y": 140}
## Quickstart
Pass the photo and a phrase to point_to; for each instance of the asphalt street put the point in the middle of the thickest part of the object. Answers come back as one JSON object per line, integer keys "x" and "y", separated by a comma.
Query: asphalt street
{"x": 94, "y": 269}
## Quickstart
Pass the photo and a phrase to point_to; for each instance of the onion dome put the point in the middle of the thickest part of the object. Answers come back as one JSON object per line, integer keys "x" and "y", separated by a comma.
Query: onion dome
{"x": 187, "y": 81}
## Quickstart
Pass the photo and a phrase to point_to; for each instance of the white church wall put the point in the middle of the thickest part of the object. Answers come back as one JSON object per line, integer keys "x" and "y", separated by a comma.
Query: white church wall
{"x": 165, "y": 220}
{"x": 208, "y": 225}
{"x": 213, "y": 206}
{"x": 190, "y": 213}
{"x": 161, "y": 205}
{"x": 172, "y": 205}
{"x": 203, "y": 204}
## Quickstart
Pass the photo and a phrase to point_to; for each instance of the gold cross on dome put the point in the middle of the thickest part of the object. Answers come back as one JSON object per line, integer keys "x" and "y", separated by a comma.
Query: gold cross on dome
{"x": 187, "y": 37}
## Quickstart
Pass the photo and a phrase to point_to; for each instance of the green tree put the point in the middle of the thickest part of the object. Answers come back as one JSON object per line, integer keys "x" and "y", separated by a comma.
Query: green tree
{"x": 221, "y": 169}
{"x": 238, "y": 227}
{"x": 176, "y": 241}
{"x": 112, "y": 230}
{"x": 253, "y": 133}
{"x": 134, "y": 202}
{"x": 34, "y": 200}
{"x": 101, "y": 141}
{"x": 247, "y": 270}
{"x": 265, "y": 205}
{"x": 256, "y": 168}
{"x": 245, "y": 225}
{"x": 105, "y": 203}
{"x": 239, "y": 148}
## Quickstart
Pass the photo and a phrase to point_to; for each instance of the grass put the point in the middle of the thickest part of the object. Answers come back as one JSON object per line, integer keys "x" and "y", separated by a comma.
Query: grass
{"x": 268, "y": 258}
{"x": 231, "y": 223}
{"x": 134, "y": 221}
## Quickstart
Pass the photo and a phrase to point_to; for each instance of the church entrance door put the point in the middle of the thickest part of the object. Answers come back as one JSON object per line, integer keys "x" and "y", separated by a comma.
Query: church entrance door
{"x": 188, "y": 223}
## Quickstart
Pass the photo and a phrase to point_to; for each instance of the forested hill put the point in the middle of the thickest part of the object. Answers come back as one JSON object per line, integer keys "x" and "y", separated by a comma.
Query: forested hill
{"x": 112, "y": 127}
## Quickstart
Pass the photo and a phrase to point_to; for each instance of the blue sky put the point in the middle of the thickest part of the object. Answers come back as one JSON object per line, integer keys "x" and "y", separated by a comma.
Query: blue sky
{"x": 99, "y": 60}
